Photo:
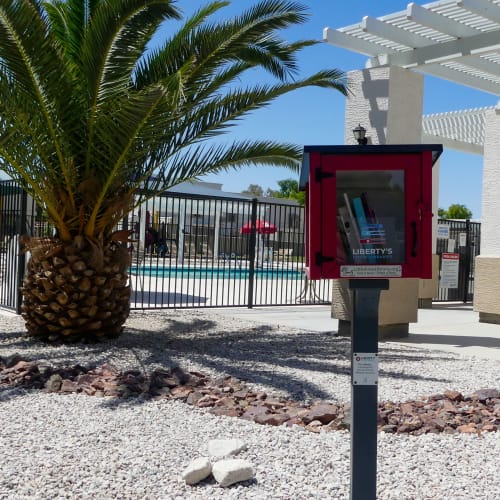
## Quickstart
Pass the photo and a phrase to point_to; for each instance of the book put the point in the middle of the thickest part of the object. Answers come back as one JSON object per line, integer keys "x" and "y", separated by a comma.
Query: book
{"x": 343, "y": 246}
{"x": 351, "y": 218}
{"x": 347, "y": 228}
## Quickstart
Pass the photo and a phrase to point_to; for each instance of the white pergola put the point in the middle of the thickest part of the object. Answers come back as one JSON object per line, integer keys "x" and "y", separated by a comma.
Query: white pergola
{"x": 458, "y": 40}
{"x": 459, "y": 130}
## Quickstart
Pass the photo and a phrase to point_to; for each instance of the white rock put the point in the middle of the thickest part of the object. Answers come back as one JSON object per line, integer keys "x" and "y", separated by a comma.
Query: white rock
{"x": 197, "y": 470}
{"x": 220, "y": 448}
{"x": 232, "y": 470}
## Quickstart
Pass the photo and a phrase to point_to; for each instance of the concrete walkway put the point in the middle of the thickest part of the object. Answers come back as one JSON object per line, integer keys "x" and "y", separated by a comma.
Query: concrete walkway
{"x": 452, "y": 327}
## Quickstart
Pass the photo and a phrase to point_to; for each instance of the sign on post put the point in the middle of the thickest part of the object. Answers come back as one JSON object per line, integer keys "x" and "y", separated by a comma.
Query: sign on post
{"x": 450, "y": 263}
{"x": 443, "y": 231}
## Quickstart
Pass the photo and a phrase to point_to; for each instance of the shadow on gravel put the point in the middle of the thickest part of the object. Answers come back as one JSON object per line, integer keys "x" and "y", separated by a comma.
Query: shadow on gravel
{"x": 456, "y": 340}
{"x": 285, "y": 362}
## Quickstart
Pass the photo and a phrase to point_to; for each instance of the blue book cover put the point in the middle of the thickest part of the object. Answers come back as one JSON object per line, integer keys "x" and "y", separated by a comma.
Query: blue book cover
{"x": 359, "y": 212}
{"x": 364, "y": 228}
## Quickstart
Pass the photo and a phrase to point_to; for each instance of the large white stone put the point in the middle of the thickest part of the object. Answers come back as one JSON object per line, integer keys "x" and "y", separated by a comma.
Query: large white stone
{"x": 197, "y": 470}
{"x": 232, "y": 470}
{"x": 220, "y": 448}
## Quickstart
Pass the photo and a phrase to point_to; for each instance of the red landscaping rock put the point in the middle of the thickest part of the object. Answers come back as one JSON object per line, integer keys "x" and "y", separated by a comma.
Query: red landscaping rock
{"x": 450, "y": 412}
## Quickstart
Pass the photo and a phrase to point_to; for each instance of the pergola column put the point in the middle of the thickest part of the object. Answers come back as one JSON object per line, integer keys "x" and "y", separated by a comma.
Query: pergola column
{"x": 387, "y": 101}
{"x": 487, "y": 271}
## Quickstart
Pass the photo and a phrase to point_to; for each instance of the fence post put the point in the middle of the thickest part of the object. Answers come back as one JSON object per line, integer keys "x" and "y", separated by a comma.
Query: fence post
{"x": 465, "y": 295}
{"x": 251, "y": 252}
{"x": 21, "y": 258}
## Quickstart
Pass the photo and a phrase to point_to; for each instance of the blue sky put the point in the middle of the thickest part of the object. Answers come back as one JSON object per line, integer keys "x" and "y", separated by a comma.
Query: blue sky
{"x": 316, "y": 116}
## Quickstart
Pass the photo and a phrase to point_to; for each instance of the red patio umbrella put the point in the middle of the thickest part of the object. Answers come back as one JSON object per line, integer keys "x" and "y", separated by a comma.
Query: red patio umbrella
{"x": 261, "y": 227}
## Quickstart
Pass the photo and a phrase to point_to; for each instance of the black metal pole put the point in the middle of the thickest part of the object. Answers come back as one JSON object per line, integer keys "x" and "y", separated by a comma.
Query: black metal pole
{"x": 251, "y": 252}
{"x": 465, "y": 291}
{"x": 364, "y": 379}
{"x": 21, "y": 260}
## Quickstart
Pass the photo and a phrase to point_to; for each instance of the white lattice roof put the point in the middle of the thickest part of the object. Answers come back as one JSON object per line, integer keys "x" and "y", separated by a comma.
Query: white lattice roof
{"x": 461, "y": 130}
{"x": 458, "y": 40}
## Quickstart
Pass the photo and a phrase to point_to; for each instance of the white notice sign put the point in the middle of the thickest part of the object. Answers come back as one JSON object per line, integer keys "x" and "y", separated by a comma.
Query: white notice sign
{"x": 365, "y": 368}
{"x": 449, "y": 270}
{"x": 443, "y": 231}
{"x": 462, "y": 239}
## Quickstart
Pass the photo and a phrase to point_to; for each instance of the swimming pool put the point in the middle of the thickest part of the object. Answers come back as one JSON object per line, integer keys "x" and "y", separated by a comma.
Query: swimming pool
{"x": 216, "y": 272}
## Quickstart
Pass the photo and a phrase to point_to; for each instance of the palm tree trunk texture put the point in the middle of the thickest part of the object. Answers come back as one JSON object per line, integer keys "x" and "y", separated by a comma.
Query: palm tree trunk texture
{"x": 75, "y": 291}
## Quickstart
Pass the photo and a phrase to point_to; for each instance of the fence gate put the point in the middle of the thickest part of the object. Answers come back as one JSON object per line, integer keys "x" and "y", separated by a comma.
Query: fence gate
{"x": 458, "y": 245}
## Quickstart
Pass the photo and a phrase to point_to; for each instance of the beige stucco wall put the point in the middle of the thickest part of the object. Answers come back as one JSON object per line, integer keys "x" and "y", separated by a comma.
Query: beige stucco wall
{"x": 397, "y": 305}
{"x": 487, "y": 271}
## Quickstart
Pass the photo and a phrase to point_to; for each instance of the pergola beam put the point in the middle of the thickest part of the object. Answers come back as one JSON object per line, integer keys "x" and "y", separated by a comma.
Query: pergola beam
{"x": 463, "y": 78}
{"x": 482, "y": 8}
{"x": 397, "y": 35}
{"x": 484, "y": 42}
{"x": 438, "y": 22}
{"x": 481, "y": 64}
{"x": 341, "y": 39}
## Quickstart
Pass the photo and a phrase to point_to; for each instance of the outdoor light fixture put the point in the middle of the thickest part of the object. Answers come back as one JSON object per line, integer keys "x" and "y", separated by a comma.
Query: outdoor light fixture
{"x": 359, "y": 134}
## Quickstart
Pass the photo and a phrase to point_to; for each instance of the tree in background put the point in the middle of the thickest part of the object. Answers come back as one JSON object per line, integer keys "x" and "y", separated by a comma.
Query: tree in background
{"x": 91, "y": 114}
{"x": 253, "y": 190}
{"x": 455, "y": 211}
{"x": 289, "y": 188}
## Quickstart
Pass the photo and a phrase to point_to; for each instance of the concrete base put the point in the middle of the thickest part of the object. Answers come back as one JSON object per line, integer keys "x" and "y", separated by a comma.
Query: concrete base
{"x": 425, "y": 303}
{"x": 397, "y": 308}
{"x": 487, "y": 288}
{"x": 489, "y": 318}
{"x": 394, "y": 331}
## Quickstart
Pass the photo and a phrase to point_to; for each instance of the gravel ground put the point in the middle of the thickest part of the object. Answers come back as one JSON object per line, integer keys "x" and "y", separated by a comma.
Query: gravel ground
{"x": 75, "y": 446}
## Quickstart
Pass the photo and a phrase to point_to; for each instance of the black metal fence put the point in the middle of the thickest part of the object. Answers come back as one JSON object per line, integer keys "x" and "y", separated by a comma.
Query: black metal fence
{"x": 219, "y": 251}
{"x": 463, "y": 239}
{"x": 188, "y": 251}
{"x": 198, "y": 251}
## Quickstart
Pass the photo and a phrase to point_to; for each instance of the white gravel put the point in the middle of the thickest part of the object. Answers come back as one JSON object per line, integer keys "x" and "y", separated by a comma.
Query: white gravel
{"x": 75, "y": 446}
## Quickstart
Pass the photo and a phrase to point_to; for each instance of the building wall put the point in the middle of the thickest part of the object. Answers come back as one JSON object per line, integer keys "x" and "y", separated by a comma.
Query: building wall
{"x": 487, "y": 273}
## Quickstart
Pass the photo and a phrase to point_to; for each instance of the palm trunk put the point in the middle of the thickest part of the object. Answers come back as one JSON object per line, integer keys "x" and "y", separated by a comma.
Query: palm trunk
{"x": 75, "y": 291}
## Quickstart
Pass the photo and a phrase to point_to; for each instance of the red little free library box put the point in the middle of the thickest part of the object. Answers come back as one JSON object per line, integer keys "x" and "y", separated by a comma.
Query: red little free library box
{"x": 369, "y": 210}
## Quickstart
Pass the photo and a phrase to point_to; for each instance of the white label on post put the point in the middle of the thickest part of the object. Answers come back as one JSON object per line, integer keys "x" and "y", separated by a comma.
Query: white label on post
{"x": 394, "y": 271}
{"x": 462, "y": 239}
{"x": 365, "y": 368}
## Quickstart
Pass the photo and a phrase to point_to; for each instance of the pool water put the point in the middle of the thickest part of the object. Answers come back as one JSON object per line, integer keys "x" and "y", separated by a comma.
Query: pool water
{"x": 216, "y": 272}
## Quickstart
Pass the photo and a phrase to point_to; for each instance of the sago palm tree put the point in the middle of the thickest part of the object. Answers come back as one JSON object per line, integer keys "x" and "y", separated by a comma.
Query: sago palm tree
{"x": 91, "y": 112}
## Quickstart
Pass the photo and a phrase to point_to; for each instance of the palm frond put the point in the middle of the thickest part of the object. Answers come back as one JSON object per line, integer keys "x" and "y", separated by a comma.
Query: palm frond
{"x": 203, "y": 159}
{"x": 89, "y": 114}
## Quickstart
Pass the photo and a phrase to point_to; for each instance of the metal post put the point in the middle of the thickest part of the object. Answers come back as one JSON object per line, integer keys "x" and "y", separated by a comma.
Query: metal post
{"x": 21, "y": 259}
{"x": 467, "y": 264}
{"x": 251, "y": 253}
{"x": 364, "y": 379}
